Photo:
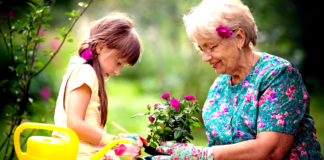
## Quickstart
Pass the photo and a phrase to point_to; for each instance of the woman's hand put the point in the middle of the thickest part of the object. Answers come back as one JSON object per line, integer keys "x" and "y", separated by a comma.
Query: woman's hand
{"x": 185, "y": 151}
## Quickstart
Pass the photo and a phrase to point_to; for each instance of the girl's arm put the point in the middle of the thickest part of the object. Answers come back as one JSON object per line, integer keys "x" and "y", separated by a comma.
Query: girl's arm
{"x": 267, "y": 145}
{"x": 79, "y": 99}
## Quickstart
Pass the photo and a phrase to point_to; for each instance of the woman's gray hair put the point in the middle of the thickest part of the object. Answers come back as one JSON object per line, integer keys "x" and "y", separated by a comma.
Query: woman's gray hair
{"x": 203, "y": 19}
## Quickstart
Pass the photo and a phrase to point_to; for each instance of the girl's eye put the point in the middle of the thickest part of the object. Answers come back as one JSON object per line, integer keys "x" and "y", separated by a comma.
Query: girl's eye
{"x": 118, "y": 63}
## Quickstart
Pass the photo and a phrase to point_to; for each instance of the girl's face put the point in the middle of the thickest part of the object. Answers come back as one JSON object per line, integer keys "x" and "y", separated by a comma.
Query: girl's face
{"x": 109, "y": 62}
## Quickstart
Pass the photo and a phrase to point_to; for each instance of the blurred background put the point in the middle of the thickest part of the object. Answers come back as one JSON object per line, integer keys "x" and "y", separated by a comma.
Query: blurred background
{"x": 169, "y": 63}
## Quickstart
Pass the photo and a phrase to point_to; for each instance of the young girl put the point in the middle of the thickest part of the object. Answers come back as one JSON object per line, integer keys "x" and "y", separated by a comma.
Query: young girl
{"x": 82, "y": 104}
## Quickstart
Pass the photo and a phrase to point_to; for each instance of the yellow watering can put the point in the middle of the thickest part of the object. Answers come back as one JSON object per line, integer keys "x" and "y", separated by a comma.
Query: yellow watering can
{"x": 49, "y": 148}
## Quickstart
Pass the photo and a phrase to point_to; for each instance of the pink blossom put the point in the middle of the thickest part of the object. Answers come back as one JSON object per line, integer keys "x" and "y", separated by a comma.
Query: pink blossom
{"x": 247, "y": 122}
{"x": 195, "y": 102}
{"x": 214, "y": 132}
{"x": 175, "y": 103}
{"x": 155, "y": 105}
{"x": 55, "y": 44}
{"x": 300, "y": 148}
{"x": 239, "y": 134}
{"x": 281, "y": 122}
{"x": 45, "y": 93}
{"x": 151, "y": 118}
{"x": 280, "y": 116}
{"x": 261, "y": 125}
{"x": 224, "y": 32}
{"x": 189, "y": 98}
{"x": 165, "y": 96}
{"x": 298, "y": 111}
{"x": 304, "y": 153}
{"x": 148, "y": 107}
{"x": 290, "y": 90}
{"x": 87, "y": 54}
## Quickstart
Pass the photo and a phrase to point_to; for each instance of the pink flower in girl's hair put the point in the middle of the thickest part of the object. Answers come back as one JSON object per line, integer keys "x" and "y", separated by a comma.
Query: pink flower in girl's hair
{"x": 175, "y": 103}
{"x": 224, "y": 32}
{"x": 189, "y": 98}
{"x": 151, "y": 118}
{"x": 165, "y": 95}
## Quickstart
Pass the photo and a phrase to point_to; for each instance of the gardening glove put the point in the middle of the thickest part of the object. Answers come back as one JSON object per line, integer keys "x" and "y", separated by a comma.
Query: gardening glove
{"x": 185, "y": 151}
{"x": 133, "y": 148}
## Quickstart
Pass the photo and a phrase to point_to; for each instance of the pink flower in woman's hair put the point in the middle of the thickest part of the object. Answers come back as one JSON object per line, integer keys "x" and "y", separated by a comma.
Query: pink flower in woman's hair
{"x": 189, "y": 98}
{"x": 151, "y": 118}
{"x": 224, "y": 32}
{"x": 165, "y": 96}
{"x": 45, "y": 93}
{"x": 175, "y": 103}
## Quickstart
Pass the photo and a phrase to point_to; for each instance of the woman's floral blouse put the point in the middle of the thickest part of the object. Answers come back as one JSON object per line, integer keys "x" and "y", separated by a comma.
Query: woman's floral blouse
{"x": 272, "y": 97}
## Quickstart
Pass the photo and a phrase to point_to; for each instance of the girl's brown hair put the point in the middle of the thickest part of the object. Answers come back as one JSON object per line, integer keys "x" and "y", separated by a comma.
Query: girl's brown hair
{"x": 116, "y": 31}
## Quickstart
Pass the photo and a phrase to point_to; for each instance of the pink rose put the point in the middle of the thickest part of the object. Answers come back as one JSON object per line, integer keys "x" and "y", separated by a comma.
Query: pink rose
{"x": 148, "y": 107}
{"x": 195, "y": 102}
{"x": 224, "y": 32}
{"x": 165, "y": 96}
{"x": 175, "y": 103}
{"x": 155, "y": 105}
{"x": 189, "y": 98}
{"x": 151, "y": 119}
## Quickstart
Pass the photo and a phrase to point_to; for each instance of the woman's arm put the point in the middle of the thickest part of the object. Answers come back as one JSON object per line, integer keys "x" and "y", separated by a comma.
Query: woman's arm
{"x": 79, "y": 99}
{"x": 267, "y": 145}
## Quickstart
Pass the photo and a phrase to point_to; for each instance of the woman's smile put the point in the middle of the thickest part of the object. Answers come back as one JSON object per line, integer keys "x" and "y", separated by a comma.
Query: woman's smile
{"x": 215, "y": 64}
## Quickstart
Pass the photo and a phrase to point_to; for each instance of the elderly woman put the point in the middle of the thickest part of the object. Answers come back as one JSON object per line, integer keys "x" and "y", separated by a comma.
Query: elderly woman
{"x": 258, "y": 106}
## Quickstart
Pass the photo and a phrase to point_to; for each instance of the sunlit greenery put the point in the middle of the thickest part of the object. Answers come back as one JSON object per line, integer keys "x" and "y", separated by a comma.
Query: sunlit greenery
{"x": 169, "y": 62}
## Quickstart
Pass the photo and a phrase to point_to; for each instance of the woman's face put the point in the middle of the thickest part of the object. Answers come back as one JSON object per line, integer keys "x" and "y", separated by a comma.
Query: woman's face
{"x": 109, "y": 62}
{"x": 223, "y": 55}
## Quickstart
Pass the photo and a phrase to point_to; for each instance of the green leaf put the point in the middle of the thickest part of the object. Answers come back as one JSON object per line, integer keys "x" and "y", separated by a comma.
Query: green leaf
{"x": 177, "y": 117}
{"x": 161, "y": 117}
{"x": 195, "y": 119}
{"x": 150, "y": 125}
{"x": 153, "y": 145}
{"x": 70, "y": 40}
{"x": 177, "y": 134}
{"x": 190, "y": 136}
{"x": 32, "y": 5}
{"x": 69, "y": 14}
{"x": 181, "y": 106}
{"x": 138, "y": 115}
{"x": 57, "y": 38}
{"x": 198, "y": 110}
{"x": 51, "y": 100}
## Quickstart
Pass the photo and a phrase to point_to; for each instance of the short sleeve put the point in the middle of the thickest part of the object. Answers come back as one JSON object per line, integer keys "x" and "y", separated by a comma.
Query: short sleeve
{"x": 283, "y": 103}
{"x": 83, "y": 74}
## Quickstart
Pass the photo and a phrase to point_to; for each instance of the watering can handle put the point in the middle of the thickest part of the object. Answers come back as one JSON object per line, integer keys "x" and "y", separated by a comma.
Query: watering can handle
{"x": 73, "y": 136}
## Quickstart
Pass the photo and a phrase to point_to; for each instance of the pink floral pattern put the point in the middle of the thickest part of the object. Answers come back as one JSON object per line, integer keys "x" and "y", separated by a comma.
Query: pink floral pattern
{"x": 272, "y": 97}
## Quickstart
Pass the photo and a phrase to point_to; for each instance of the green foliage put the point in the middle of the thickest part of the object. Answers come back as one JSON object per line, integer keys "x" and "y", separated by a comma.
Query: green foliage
{"x": 22, "y": 37}
{"x": 172, "y": 121}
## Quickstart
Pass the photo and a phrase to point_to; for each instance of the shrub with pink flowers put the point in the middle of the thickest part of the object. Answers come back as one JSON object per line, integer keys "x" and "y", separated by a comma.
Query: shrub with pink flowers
{"x": 172, "y": 120}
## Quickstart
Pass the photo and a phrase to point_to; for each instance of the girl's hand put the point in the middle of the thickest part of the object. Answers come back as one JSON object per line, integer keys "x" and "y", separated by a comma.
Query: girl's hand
{"x": 185, "y": 151}
{"x": 133, "y": 148}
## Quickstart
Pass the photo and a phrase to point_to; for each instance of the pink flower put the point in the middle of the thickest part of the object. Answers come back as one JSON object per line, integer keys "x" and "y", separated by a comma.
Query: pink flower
{"x": 195, "y": 102}
{"x": 87, "y": 54}
{"x": 298, "y": 111}
{"x": 281, "y": 122}
{"x": 261, "y": 125}
{"x": 148, "y": 107}
{"x": 189, "y": 98}
{"x": 304, "y": 153}
{"x": 165, "y": 96}
{"x": 55, "y": 43}
{"x": 224, "y": 32}
{"x": 151, "y": 118}
{"x": 247, "y": 122}
{"x": 280, "y": 116}
{"x": 45, "y": 93}
{"x": 239, "y": 134}
{"x": 290, "y": 90}
{"x": 175, "y": 103}
{"x": 155, "y": 105}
